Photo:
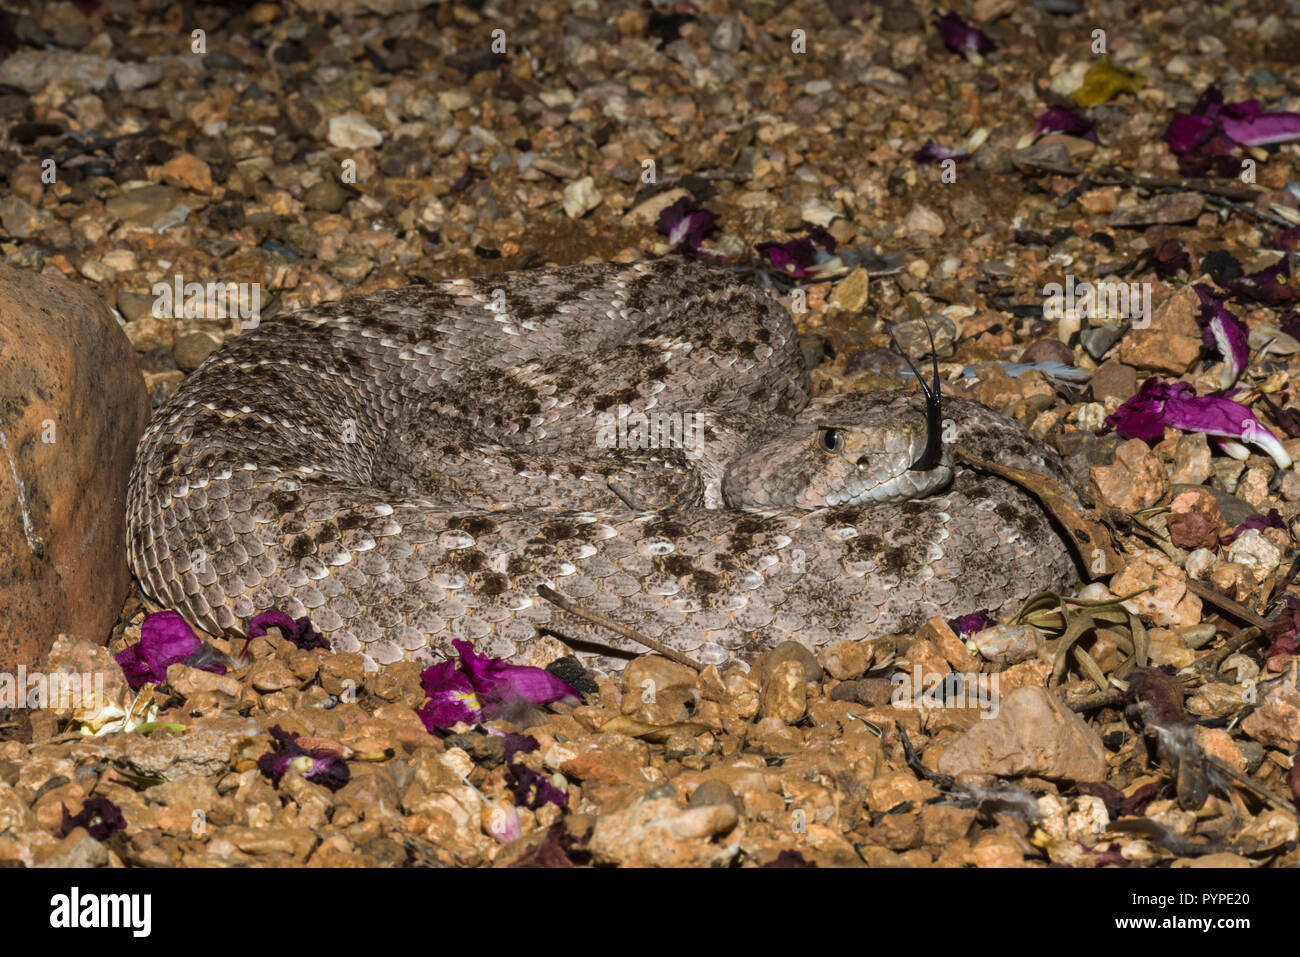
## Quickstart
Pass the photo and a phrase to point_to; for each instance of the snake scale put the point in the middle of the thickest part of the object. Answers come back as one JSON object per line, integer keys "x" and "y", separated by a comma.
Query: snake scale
{"x": 406, "y": 467}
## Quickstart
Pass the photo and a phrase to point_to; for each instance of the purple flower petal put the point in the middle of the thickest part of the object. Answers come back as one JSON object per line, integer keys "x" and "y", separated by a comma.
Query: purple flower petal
{"x": 1290, "y": 324}
{"x": 969, "y": 624}
{"x": 1169, "y": 258}
{"x": 98, "y": 815}
{"x": 1159, "y": 404}
{"x": 1273, "y": 286}
{"x": 1061, "y": 119}
{"x": 685, "y": 225}
{"x": 1287, "y": 621}
{"x": 960, "y": 37}
{"x": 165, "y": 639}
{"x": 451, "y": 697}
{"x": 300, "y": 632}
{"x": 483, "y": 688}
{"x": 518, "y": 744}
{"x": 1263, "y": 128}
{"x": 532, "y": 790}
{"x": 1199, "y": 140}
{"x": 801, "y": 257}
{"x": 499, "y": 686}
{"x": 1142, "y": 416}
{"x": 1258, "y": 522}
{"x": 1281, "y": 632}
{"x": 1224, "y": 333}
{"x": 1288, "y": 419}
{"x": 932, "y": 152}
{"x": 1186, "y": 131}
{"x": 1288, "y": 239}
{"x": 317, "y": 765}
{"x": 1206, "y": 139}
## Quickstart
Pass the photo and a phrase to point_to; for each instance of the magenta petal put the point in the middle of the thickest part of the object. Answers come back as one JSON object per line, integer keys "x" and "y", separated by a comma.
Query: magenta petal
{"x": 1169, "y": 258}
{"x": 532, "y": 790}
{"x": 1185, "y": 131}
{"x": 1290, "y": 324}
{"x": 801, "y": 257}
{"x": 965, "y": 625}
{"x": 1137, "y": 424}
{"x": 1230, "y": 339}
{"x": 165, "y": 639}
{"x": 1224, "y": 333}
{"x": 1159, "y": 404}
{"x": 1200, "y": 138}
{"x": 319, "y": 765}
{"x": 932, "y": 152}
{"x": 685, "y": 225}
{"x": 166, "y": 634}
{"x": 499, "y": 685}
{"x": 451, "y": 697}
{"x": 1217, "y": 416}
{"x": 1061, "y": 119}
{"x": 98, "y": 815}
{"x": 1241, "y": 110}
{"x": 1142, "y": 416}
{"x": 270, "y": 619}
{"x": 1210, "y": 103}
{"x": 1213, "y": 415}
{"x": 795, "y": 258}
{"x": 1259, "y": 522}
{"x": 299, "y": 632}
{"x": 1273, "y": 285}
{"x": 960, "y": 37}
{"x": 1263, "y": 129}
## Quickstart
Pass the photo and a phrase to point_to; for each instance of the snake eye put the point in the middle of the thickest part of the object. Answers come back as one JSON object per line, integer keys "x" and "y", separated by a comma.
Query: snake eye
{"x": 832, "y": 440}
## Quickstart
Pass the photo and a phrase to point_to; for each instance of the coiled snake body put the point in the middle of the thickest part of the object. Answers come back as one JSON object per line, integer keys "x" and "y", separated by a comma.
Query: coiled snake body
{"x": 407, "y": 467}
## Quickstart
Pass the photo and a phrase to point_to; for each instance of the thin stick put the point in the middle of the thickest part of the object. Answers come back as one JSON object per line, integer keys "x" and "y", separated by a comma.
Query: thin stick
{"x": 555, "y": 598}
{"x": 102, "y": 143}
{"x": 1252, "y": 785}
{"x": 1093, "y": 702}
{"x": 1210, "y": 663}
{"x": 1225, "y": 604}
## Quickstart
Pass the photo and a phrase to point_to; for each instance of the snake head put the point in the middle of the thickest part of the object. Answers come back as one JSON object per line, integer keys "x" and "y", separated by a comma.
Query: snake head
{"x": 847, "y": 449}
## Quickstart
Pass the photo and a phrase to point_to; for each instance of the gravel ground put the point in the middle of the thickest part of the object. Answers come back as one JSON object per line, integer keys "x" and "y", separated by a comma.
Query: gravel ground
{"x": 329, "y": 154}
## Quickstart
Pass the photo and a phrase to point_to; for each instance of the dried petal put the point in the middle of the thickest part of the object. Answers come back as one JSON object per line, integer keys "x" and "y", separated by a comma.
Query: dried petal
{"x": 98, "y": 815}
{"x": 1062, "y": 119}
{"x": 686, "y": 225}
{"x": 801, "y": 257}
{"x": 932, "y": 152}
{"x": 165, "y": 639}
{"x": 1224, "y": 333}
{"x": 965, "y": 625}
{"x": 300, "y": 632}
{"x": 960, "y": 37}
{"x": 532, "y": 790}
{"x": 1104, "y": 82}
{"x": 322, "y": 766}
{"x": 1160, "y": 404}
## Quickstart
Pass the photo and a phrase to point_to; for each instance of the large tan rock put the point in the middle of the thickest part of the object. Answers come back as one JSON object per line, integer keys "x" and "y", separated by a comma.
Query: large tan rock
{"x": 72, "y": 405}
{"x": 1032, "y": 733}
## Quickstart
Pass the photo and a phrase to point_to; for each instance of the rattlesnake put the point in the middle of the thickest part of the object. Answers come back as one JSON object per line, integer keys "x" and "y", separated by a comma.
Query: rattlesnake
{"x": 406, "y": 468}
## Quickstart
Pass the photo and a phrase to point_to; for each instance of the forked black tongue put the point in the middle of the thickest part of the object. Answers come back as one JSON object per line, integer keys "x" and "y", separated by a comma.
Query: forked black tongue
{"x": 933, "y": 453}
